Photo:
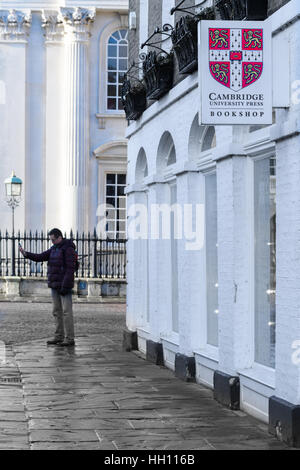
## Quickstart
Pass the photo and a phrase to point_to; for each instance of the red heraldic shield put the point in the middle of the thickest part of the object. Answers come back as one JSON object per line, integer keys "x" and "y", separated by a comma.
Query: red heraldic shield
{"x": 236, "y": 56}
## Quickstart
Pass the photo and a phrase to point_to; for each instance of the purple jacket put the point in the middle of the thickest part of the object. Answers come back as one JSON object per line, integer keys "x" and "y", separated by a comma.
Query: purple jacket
{"x": 61, "y": 264}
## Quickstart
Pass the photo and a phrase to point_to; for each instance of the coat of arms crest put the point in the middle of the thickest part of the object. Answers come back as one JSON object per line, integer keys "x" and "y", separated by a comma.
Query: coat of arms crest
{"x": 236, "y": 56}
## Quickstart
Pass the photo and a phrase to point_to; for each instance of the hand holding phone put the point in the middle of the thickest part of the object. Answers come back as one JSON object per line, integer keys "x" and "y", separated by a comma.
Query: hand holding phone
{"x": 21, "y": 249}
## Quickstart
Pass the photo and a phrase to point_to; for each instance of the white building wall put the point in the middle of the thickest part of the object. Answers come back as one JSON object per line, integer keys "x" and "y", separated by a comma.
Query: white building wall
{"x": 54, "y": 133}
{"x": 34, "y": 136}
{"x": 233, "y": 157}
{"x": 13, "y": 57}
{"x": 35, "y": 127}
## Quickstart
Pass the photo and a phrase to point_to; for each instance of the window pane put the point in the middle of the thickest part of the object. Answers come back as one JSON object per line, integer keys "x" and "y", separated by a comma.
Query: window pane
{"x": 122, "y": 51}
{"x": 111, "y": 103}
{"x": 121, "y": 77}
{"x": 117, "y": 35}
{"x": 173, "y": 273}
{"x": 211, "y": 259}
{"x": 112, "y": 64}
{"x": 122, "y": 203}
{"x": 110, "y": 226}
{"x": 111, "y": 214}
{"x": 111, "y": 90}
{"x": 112, "y": 77}
{"x": 123, "y": 64}
{"x": 121, "y": 179}
{"x": 121, "y": 236}
{"x": 110, "y": 190}
{"x": 265, "y": 260}
{"x": 123, "y": 33}
{"x": 122, "y": 226}
{"x": 120, "y": 105}
{"x": 110, "y": 178}
{"x": 111, "y": 201}
{"x": 121, "y": 190}
{"x": 112, "y": 40}
{"x": 112, "y": 51}
{"x": 121, "y": 214}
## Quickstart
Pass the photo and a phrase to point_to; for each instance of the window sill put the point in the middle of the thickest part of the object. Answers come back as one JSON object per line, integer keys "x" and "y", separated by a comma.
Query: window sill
{"x": 103, "y": 117}
{"x": 171, "y": 338}
{"x": 210, "y": 353}
{"x": 260, "y": 374}
{"x": 144, "y": 332}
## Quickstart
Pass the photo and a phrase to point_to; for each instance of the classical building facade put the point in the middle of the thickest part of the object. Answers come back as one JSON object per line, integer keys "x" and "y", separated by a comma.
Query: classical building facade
{"x": 225, "y": 313}
{"x": 63, "y": 125}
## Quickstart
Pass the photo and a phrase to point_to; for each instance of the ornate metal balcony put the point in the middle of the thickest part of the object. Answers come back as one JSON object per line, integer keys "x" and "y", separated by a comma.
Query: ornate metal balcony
{"x": 184, "y": 39}
{"x": 133, "y": 98}
{"x": 242, "y": 9}
{"x": 158, "y": 73}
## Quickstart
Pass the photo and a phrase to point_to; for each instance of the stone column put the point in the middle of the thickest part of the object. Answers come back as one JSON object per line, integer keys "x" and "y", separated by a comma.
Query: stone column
{"x": 189, "y": 190}
{"x": 54, "y": 113}
{"x": 159, "y": 305}
{"x": 14, "y": 30}
{"x": 76, "y": 116}
{"x": 189, "y": 269}
{"x": 137, "y": 302}
{"x": 233, "y": 259}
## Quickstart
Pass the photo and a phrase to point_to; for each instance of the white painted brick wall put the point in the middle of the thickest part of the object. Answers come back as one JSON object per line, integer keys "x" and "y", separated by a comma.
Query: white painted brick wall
{"x": 236, "y": 317}
{"x": 288, "y": 268}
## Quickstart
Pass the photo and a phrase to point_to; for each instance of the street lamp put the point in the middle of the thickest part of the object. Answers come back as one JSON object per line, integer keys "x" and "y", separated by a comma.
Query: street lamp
{"x": 13, "y": 189}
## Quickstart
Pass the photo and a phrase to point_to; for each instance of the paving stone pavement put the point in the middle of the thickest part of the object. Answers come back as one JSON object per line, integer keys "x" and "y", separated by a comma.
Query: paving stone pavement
{"x": 96, "y": 396}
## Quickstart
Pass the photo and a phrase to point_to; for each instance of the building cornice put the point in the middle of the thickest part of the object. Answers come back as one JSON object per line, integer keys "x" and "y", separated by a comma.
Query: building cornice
{"x": 39, "y": 5}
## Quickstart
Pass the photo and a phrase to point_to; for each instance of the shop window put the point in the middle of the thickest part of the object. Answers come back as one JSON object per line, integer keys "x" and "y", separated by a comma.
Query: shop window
{"x": 174, "y": 259}
{"x": 265, "y": 260}
{"x": 212, "y": 303}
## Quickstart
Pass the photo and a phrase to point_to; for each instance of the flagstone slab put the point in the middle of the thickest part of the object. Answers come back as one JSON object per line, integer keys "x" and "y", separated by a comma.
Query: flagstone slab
{"x": 72, "y": 446}
{"x": 63, "y": 436}
{"x": 78, "y": 424}
{"x": 95, "y": 396}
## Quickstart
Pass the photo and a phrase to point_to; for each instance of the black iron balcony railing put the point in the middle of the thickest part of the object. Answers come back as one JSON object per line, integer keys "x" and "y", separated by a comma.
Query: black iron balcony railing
{"x": 158, "y": 73}
{"x": 251, "y": 10}
{"x": 133, "y": 95}
{"x": 185, "y": 40}
{"x": 158, "y": 70}
{"x": 98, "y": 258}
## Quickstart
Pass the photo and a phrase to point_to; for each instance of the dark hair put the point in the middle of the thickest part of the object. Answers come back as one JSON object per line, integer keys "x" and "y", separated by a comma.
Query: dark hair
{"x": 56, "y": 232}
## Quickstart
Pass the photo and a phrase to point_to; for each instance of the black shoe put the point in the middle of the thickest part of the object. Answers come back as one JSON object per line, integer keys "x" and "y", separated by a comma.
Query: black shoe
{"x": 67, "y": 343}
{"x": 54, "y": 341}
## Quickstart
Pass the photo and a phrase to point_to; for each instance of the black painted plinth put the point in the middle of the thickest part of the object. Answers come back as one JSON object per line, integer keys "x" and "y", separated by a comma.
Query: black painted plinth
{"x": 284, "y": 421}
{"x": 154, "y": 352}
{"x": 227, "y": 390}
{"x": 130, "y": 340}
{"x": 185, "y": 367}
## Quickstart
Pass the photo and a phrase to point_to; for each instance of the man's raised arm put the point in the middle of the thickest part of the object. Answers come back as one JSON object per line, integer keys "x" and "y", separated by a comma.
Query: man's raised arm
{"x": 37, "y": 256}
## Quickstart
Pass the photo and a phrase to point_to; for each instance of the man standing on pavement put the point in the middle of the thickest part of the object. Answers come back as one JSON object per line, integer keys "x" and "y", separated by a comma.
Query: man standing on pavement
{"x": 61, "y": 259}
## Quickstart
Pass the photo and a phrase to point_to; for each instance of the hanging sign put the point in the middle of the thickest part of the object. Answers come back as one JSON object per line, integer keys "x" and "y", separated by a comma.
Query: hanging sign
{"x": 235, "y": 60}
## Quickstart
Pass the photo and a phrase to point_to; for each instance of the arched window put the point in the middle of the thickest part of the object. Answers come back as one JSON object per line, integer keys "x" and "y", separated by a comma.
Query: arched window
{"x": 141, "y": 169}
{"x": 166, "y": 153}
{"x": 117, "y": 64}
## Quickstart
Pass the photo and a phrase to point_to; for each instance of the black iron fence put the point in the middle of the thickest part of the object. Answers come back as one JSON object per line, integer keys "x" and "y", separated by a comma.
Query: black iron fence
{"x": 98, "y": 258}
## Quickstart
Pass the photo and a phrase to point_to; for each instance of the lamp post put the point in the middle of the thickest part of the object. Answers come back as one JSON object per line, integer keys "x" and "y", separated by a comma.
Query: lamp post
{"x": 13, "y": 189}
